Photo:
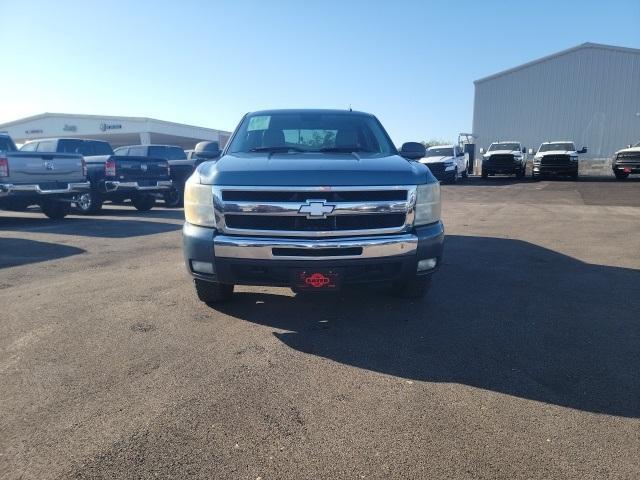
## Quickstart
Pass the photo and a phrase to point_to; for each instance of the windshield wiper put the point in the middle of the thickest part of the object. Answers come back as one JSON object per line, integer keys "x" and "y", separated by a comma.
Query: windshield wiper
{"x": 343, "y": 149}
{"x": 282, "y": 148}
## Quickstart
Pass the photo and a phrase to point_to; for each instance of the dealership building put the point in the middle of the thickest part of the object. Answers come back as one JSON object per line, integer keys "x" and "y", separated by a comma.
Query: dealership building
{"x": 118, "y": 131}
{"x": 589, "y": 94}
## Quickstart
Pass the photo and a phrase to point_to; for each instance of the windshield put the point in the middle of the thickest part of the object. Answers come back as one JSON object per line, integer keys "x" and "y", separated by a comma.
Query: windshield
{"x": 504, "y": 146}
{"x": 168, "y": 153}
{"x": 84, "y": 147}
{"x": 311, "y": 132}
{"x": 547, "y": 147}
{"x": 440, "y": 152}
{"x": 6, "y": 144}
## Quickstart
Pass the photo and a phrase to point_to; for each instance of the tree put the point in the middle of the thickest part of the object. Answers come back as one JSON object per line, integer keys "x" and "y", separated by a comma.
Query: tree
{"x": 436, "y": 141}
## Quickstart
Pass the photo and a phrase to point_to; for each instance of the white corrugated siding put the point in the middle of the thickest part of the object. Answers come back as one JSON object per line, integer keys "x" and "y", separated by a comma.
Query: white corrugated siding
{"x": 590, "y": 95}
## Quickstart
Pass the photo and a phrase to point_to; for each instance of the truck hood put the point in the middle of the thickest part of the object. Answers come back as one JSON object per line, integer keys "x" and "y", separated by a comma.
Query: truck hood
{"x": 556, "y": 152}
{"x": 502, "y": 152}
{"x": 312, "y": 169}
{"x": 428, "y": 160}
{"x": 631, "y": 150}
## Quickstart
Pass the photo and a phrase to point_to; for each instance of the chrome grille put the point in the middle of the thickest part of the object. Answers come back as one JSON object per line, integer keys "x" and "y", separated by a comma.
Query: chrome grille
{"x": 314, "y": 211}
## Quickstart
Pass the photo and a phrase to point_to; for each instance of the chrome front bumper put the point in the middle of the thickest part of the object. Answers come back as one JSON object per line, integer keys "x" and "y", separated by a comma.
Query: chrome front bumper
{"x": 263, "y": 248}
{"x": 9, "y": 188}
{"x": 112, "y": 186}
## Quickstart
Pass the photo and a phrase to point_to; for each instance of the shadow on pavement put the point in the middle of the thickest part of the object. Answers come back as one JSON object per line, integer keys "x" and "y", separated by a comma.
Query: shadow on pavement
{"x": 19, "y": 251}
{"x": 124, "y": 211}
{"x": 503, "y": 315}
{"x": 87, "y": 226}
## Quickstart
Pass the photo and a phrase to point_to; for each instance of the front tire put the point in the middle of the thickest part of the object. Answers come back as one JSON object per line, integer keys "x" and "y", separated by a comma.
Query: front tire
{"x": 485, "y": 175}
{"x": 55, "y": 209}
{"x": 144, "y": 203}
{"x": 173, "y": 198}
{"x": 88, "y": 203}
{"x": 520, "y": 174}
{"x": 213, "y": 292}
{"x": 413, "y": 288}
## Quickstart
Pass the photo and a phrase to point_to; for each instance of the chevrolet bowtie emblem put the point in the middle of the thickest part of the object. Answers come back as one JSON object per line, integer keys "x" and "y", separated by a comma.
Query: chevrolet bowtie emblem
{"x": 316, "y": 209}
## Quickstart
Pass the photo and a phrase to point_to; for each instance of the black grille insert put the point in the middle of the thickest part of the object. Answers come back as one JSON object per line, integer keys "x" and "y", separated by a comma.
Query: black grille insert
{"x": 323, "y": 252}
{"x": 556, "y": 160}
{"x": 300, "y": 223}
{"x": 628, "y": 157}
{"x": 501, "y": 159}
{"x": 333, "y": 196}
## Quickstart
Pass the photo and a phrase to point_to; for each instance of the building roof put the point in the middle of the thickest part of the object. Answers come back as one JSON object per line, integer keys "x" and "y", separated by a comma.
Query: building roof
{"x": 98, "y": 117}
{"x": 560, "y": 54}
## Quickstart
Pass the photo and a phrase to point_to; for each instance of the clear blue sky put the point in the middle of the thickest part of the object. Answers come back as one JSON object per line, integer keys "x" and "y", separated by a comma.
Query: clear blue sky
{"x": 412, "y": 63}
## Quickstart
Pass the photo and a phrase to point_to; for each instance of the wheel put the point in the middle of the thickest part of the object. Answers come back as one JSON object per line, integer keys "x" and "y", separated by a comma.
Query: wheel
{"x": 213, "y": 292}
{"x": 173, "y": 198}
{"x": 520, "y": 174}
{"x": 485, "y": 175}
{"x": 465, "y": 173}
{"x": 144, "y": 202}
{"x": 574, "y": 176}
{"x": 414, "y": 288}
{"x": 88, "y": 202}
{"x": 455, "y": 178}
{"x": 620, "y": 175}
{"x": 535, "y": 177}
{"x": 55, "y": 209}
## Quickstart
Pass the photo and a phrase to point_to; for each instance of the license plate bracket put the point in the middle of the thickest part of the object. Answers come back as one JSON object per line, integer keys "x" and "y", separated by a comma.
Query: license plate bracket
{"x": 316, "y": 280}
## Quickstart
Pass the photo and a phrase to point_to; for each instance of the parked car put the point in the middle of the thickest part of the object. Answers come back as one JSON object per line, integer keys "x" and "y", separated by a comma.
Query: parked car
{"x": 626, "y": 161}
{"x": 181, "y": 167}
{"x": 504, "y": 158}
{"x": 558, "y": 158}
{"x": 312, "y": 199}
{"x": 49, "y": 180}
{"x": 448, "y": 163}
{"x": 112, "y": 177}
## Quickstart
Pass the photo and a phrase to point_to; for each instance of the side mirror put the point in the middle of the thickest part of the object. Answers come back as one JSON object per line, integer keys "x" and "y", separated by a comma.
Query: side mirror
{"x": 208, "y": 150}
{"x": 629, "y": 146}
{"x": 413, "y": 150}
{"x": 532, "y": 151}
{"x": 524, "y": 150}
{"x": 482, "y": 150}
{"x": 583, "y": 150}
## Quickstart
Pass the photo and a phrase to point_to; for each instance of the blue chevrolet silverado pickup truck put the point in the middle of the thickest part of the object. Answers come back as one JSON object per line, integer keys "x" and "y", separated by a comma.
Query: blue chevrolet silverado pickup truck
{"x": 313, "y": 200}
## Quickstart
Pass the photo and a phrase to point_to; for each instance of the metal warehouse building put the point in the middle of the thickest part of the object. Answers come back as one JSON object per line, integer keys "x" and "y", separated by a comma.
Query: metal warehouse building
{"x": 118, "y": 131}
{"x": 589, "y": 94}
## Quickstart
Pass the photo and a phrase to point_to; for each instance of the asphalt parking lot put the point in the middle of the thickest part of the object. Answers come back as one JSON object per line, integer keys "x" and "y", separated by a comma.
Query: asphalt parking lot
{"x": 522, "y": 362}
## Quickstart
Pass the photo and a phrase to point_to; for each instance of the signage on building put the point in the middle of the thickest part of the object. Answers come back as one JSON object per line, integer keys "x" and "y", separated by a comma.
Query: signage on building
{"x": 69, "y": 128}
{"x": 33, "y": 132}
{"x": 110, "y": 126}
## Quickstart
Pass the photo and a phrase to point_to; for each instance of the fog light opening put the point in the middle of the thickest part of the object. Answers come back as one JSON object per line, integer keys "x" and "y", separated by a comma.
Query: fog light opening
{"x": 202, "y": 267}
{"x": 427, "y": 264}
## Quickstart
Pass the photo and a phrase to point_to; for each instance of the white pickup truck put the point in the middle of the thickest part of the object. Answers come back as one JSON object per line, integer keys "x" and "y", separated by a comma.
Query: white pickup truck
{"x": 503, "y": 158}
{"x": 49, "y": 180}
{"x": 559, "y": 158}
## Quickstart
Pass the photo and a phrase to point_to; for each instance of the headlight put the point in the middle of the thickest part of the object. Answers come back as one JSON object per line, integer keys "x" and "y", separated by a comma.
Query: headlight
{"x": 574, "y": 159}
{"x": 427, "y": 204}
{"x": 449, "y": 165}
{"x": 537, "y": 160}
{"x": 198, "y": 203}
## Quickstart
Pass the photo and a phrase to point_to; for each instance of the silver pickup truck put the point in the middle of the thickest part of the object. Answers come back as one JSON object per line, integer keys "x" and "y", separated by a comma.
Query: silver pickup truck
{"x": 49, "y": 180}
